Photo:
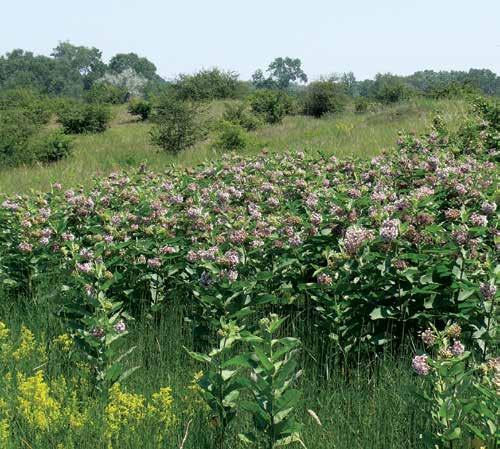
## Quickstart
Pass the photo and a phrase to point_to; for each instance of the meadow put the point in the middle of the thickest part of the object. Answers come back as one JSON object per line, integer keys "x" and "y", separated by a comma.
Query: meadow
{"x": 331, "y": 286}
{"x": 127, "y": 142}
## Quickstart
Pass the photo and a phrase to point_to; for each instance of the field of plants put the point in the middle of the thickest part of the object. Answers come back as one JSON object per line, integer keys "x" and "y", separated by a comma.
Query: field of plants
{"x": 282, "y": 299}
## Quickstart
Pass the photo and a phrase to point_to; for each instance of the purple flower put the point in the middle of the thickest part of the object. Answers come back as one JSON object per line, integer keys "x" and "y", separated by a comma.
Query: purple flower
{"x": 120, "y": 327}
{"x": 487, "y": 290}
{"x": 324, "y": 279}
{"x": 389, "y": 230}
{"x": 355, "y": 237}
{"x": 25, "y": 247}
{"x": 428, "y": 337}
{"x": 457, "y": 348}
{"x": 154, "y": 262}
{"x": 167, "y": 250}
{"x": 205, "y": 279}
{"x": 97, "y": 332}
{"x": 478, "y": 220}
{"x": 420, "y": 365}
{"x": 85, "y": 267}
{"x": 488, "y": 208}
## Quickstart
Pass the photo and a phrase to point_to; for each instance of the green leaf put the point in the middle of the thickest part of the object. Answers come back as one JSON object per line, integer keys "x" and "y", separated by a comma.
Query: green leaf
{"x": 379, "y": 313}
{"x": 281, "y": 415}
{"x": 199, "y": 357}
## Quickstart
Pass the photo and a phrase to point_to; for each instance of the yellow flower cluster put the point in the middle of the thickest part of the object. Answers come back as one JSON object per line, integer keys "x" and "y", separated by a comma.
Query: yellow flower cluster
{"x": 26, "y": 346}
{"x": 161, "y": 407}
{"x": 36, "y": 405}
{"x": 124, "y": 410}
{"x": 61, "y": 410}
{"x": 64, "y": 342}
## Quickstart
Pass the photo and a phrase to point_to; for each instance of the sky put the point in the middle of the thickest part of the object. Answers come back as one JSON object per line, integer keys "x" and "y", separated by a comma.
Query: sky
{"x": 329, "y": 36}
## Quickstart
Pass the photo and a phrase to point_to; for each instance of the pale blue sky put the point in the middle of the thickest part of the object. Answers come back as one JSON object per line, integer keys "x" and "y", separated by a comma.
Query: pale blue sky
{"x": 367, "y": 37}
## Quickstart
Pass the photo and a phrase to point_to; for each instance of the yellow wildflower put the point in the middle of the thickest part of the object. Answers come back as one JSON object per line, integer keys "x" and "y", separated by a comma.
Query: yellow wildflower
{"x": 124, "y": 410}
{"x": 64, "y": 342}
{"x": 26, "y": 346}
{"x": 161, "y": 407}
{"x": 4, "y": 432}
{"x": 38, "y": 408}
{"x": 4, "y": 331}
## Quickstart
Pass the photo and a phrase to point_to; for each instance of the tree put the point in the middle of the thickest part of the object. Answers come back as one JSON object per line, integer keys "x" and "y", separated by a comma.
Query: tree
{"x": 282, "y": 72}
{"x": 177, "y": 124}
{"x": 211, "y": 84}
{"x": 142, "y": 66}
{"x": 128, "y": 80}
{"x": 324, "y": 97}
{"x": 87, "y": 61}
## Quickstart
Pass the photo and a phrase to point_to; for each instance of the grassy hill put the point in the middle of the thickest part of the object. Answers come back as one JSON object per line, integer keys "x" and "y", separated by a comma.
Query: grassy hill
{"x": 126, "y": 143}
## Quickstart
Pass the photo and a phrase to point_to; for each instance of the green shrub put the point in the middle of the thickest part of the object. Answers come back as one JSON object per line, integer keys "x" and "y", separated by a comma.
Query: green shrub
{"x": 140, "y": 107}
{"x": 239, "y": 114}
{"x": 178, "y": 124}
{"x": 362, "y": 104}
{"x": 23, "y": 142}
{"x": 390, "y": 89}
{"x": 50, "y": 147}
{"x": 33, "y": 105}
{"x": 230, "y": 136}
{"x": 213, "y": 84}
{"x": 270, "y": 105}
{"x": 79, "y": 118}
{"x": 16, "y": 128}
{"x": 324, "y": 97}
{"x": 107, "y": 93}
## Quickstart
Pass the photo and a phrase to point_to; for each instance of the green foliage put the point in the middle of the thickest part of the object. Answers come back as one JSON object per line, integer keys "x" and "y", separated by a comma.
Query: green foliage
{"x": 460, "y": 391}
{"x": 32, "y": 104}
{"x": 282, "y": 72}
{"x": 212, "y": 84}
{"x": 221, "y": 383}
{"x": 83, "y": 60}
{"x": 140, "y": 107}
{"x": 102, "y": 92}
{"x": 454, "y": 89}
{"x": 270, "y": 105}
{"x": 230, "y": 136}
{"x": 79, "y": 118}
{"x": 22, "y": 140}
{"x": 480, "y": 132}
{"x": 50, "y": 147}
{"x": 16, "y": 129}
{"x": 142, "y": 66}
{"x": 274, "y": 373}
{"x": 361, "y": 105}
{"x": 324, "y": 97}
{"x": 177, "y": 124}
{"x": 389, "y": 88}
{"x": 239, "y": 114}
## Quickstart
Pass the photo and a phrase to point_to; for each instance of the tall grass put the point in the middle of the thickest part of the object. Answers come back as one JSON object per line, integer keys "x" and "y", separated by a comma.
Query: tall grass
{"x": 361, "y": 406}
{"x": 127, "y": 144}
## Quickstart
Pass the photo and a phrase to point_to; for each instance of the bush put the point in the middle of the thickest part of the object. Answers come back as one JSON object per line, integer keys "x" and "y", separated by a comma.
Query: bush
{"x": 22, "y": 142}
{"x": 390, "y": 89}
{"x": 33, "y": 105}
{"x": 239, "y": 114}
{"x": 16, "y": 128}
{"x": 107, "y": 93}
{"x": 79, "y": 118}
{"x": 230, "y": 136}
{"x": 324, "y": 97}
{"x": 50, "y": 147}
{"x": 270, "y": 105}
{"x": 213, "y": 84}
{"x": 361, "y": 105}
{"x": 178, "y": 124}
{"x": 140, "y": 107}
